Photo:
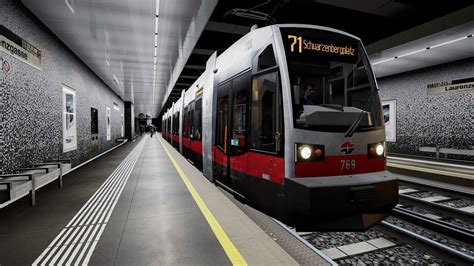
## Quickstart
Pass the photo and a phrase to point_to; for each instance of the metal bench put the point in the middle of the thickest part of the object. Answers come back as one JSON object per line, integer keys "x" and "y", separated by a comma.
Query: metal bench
{"x": 26, "y": 181}
{"x": 120, "y": 140}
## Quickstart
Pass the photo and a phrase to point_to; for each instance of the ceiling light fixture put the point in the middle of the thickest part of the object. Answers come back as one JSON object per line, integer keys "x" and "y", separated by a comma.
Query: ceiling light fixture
{"x": 452, "y": 41}
{"x": 157, "y": 8}
{"x": 116, "y": 79}
{"x": 421, "y": 50}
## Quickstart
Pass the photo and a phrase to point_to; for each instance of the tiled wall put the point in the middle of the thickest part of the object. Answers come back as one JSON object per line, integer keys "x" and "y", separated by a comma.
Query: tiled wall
{"x": 445, "y": 119}
{"x": 30, "y": 99}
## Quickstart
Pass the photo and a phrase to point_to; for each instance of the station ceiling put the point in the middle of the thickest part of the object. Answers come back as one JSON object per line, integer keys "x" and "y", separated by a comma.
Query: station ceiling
{"x": 115, "y": 38}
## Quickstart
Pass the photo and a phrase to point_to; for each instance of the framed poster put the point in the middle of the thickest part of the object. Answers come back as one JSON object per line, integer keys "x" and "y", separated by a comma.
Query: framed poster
{"x": 107, "y": 121}
{"x": 69, "y": 120}
{"x": 390, "y": 118}
{"x": 121, "y": 125}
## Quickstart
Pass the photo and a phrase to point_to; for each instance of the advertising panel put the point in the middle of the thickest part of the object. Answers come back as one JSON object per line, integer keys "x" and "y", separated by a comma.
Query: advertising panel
{"x": 69, "y": 120}
{"x": 108, "y": 122}
{"x": 390, "y": 118}
{"x": 122, "y": 126}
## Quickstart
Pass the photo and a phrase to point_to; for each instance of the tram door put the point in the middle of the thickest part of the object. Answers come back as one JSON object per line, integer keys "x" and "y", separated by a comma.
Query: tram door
{"x": 232, "y": 132}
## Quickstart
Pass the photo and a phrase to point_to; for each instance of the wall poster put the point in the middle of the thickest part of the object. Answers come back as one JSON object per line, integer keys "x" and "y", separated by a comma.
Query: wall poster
{"x": 122, "y": 126}
{"x": 69, "y": 120}
{"x": 390, "y": 118}
{"x": 108, "y": 122}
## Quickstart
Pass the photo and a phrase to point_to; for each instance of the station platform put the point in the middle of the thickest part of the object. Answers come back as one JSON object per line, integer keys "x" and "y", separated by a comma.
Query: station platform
{"x": 459, "y": 176}
{"x": 141, "y": 203}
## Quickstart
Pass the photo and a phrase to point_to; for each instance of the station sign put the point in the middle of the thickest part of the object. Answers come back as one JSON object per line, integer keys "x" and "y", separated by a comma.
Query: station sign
{"x": 12, "y": 44}
{"x": 450, "y": 86}
{"x": 319, "y": 45}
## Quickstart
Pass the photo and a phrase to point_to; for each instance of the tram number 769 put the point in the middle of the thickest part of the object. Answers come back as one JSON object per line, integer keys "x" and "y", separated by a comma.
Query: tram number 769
{"x": 348, "y": 164}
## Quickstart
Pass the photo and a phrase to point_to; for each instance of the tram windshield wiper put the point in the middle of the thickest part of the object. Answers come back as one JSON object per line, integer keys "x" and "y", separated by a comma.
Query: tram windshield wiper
{"x": 356, "y": 123}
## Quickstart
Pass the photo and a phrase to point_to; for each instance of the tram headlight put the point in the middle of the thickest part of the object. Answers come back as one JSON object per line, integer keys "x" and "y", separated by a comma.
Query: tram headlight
{"x": 379, "y": 149}
{"x": 309, "y": 153}
{"x": 376, "y": 150}
{"x": 306, "y": 152}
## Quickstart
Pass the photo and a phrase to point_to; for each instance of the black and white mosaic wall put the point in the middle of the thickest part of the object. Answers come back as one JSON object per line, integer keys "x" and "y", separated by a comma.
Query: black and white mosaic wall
{"x": 445, "y": 119}
{"x": 31, "y": 104}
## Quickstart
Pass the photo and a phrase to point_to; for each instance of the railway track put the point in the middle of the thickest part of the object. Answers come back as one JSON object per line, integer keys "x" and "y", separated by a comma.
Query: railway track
{"x": 418, "y": 231}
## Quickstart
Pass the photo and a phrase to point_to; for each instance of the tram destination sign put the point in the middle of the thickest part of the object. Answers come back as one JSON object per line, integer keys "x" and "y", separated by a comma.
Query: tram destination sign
{"x": 319, "y": 44}
{"x": 13, "y": 45}
{"x": 451, "y": 86}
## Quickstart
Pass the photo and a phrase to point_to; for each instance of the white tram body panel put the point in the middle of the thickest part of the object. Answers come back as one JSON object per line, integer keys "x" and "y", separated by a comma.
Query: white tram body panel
{"x": 289, "y": 119}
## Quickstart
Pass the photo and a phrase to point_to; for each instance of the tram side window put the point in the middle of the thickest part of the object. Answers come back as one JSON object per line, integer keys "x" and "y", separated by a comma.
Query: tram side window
{"x": 221, "y": 136}
{"x": 266, "y": 116}
{"x": 266, "y": 59}
{"x": 185, "y": 122}
{"x": 239, "y": 111}
{"x": 198, "y": 119}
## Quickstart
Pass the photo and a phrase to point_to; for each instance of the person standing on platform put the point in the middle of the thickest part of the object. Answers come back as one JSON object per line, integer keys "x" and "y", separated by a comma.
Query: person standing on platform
{"x": 151, "y": 132}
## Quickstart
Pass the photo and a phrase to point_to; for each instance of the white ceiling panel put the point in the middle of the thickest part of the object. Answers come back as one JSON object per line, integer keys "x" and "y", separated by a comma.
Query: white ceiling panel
{"x": 448, "y": 45}
{"x": 116, "y": 37}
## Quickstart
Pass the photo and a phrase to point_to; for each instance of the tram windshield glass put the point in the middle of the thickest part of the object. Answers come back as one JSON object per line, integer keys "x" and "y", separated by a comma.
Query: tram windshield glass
{"x": 331, "y": 83}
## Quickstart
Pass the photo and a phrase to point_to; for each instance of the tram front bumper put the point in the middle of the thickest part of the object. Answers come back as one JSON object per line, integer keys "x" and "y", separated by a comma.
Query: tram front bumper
{"x": 340, "y": 203}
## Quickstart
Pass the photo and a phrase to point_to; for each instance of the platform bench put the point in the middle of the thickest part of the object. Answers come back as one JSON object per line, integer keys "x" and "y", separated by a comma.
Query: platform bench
{"x": 25, "y": 181}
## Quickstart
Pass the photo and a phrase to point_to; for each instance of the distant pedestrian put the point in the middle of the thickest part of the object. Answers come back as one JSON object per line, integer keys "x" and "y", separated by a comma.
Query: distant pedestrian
{"x": 151, "y": 132}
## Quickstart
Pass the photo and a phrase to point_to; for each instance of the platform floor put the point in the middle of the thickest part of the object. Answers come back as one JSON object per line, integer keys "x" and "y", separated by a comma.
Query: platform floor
{"x": 131, "y": 206}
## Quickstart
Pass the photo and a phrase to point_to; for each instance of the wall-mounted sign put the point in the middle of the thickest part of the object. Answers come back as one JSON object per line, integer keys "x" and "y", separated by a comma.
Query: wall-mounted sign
{"x": 69, "y": 120}
{"x": 15, "y": 46}
{"x": 390, "y": 118}
{"x": 5, "y": 65}
{"x": 450, "y": 86}
{"x": 108, "y": 122}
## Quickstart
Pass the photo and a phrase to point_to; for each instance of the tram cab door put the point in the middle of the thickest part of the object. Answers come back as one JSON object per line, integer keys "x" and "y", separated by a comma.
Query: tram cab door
{"x": 231, "y": 165}
{"x": 220, "y": 152}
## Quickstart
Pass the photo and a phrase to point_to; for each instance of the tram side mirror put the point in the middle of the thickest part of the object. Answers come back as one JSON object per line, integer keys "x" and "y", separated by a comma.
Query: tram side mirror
{"x": 215, "y": 70}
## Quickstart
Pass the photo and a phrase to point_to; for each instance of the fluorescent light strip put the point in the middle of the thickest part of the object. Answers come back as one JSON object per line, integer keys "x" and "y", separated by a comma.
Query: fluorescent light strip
{"x": 154, "y": 60}
{"x": 448, "y": 42}
{"x": 116, "y": 79}
{"x": 421, "y": 50}
{"x": 156, "y": 25}
{"x": 156, "y": 40}
{"x": 157, "y": 8}
{"x": 383, "y": 61}
{"x": 155, "y": 51}
{"x": 410, "y": 53}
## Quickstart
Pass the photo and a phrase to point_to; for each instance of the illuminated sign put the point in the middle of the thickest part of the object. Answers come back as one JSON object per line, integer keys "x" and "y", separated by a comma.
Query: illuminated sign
{"x": 199, "y": 92}
{"x": 304, "y": 44}
{"x": 319, "y": 45}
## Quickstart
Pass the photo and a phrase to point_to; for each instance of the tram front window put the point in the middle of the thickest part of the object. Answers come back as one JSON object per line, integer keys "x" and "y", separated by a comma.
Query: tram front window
{"x": 331, "y": 82}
